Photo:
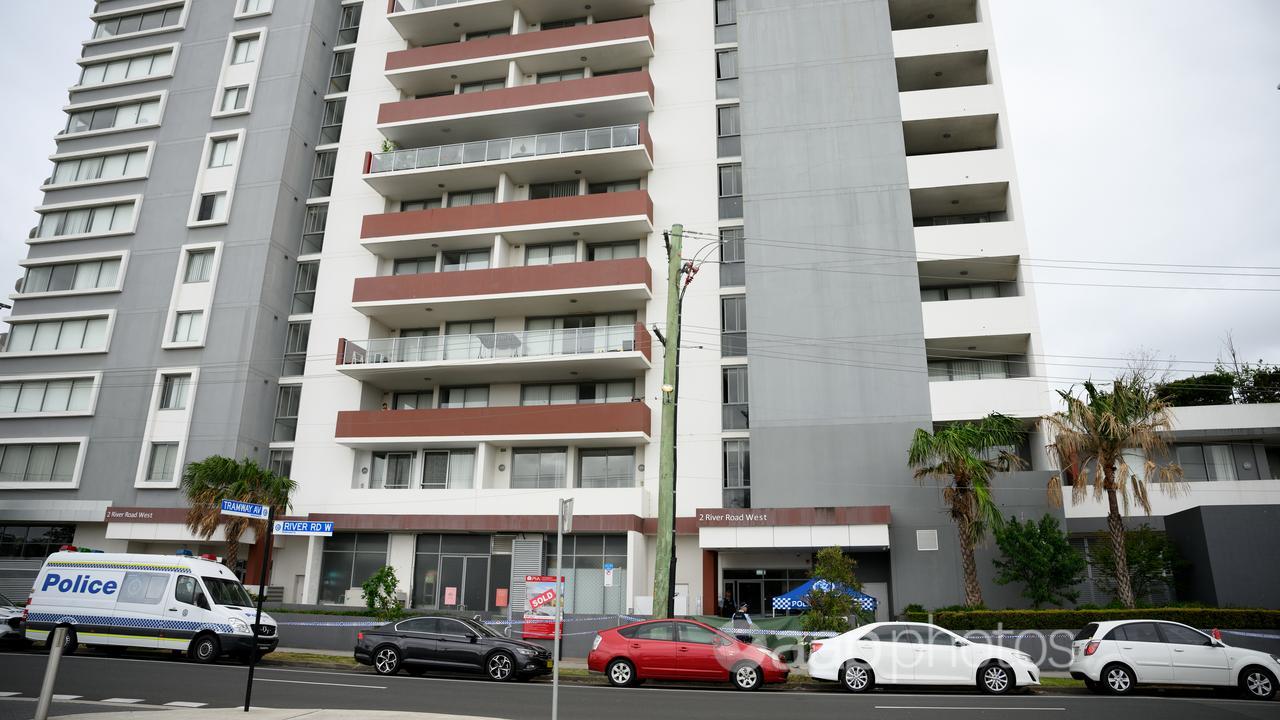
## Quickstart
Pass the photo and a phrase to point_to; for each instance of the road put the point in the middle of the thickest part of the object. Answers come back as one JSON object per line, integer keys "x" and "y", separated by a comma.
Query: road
{"x": 159, "y": 682}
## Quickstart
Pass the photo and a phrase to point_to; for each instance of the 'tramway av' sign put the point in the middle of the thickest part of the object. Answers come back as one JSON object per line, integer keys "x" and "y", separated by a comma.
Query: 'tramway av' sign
{"x": 253, "y": 511}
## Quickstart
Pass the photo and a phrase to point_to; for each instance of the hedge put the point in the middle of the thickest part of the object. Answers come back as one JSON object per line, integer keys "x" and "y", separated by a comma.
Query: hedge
{"x": 1228, "y": 618}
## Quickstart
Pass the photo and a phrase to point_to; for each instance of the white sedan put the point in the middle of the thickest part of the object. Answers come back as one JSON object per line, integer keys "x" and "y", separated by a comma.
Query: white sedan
{"x": 1114, "y": 657}
{"x": 901, "y": 653}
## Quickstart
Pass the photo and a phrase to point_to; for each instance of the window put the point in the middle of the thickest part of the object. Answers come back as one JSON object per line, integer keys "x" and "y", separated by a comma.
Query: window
{"x": 735, "y": 415}
{"x": 286, "y": 426}
{"x": 966, "y": 292}
{"x": 415, "y": 205}
{"x": 126, "y": 69}
{"x": 295, "y": 348}
{"x": 448, "y": 468}
{"x": 113, "y": 166}
{"x": 471, "y": 197}
{"x": 554, "y": 254}
{"x": 340, "y": 73}
{"x": 418, "y": 400}
{"x": 222, "y": 153}
{"x": 606, "y": 467}
{"x": 347, "y": 561}
{"x": 414, "y": 266}
{"x": 143, "y": 588}
{"x": 173, "y": 392}
{"x": 575, "y": 393}
{"x": 164, "y": 456}
{"x": 349, "y": 23}
{"x": 726, "y": 74}
{"x": 614, "y": 187}
{"x": 69, "y": 277}
{"x": 1139, "y": 632}
{"x": 100, "y": 220}
{"x": 331, "y": 122}
{"x": 482, "y": 86}
{"x": 987, "y": 368}
{"x": 656, "y": 631}
{"x": 245, "y": 50}
{"x": 392, "y": 470}
{"x": 33, "y": 541}
{"x": 322, "y": 173}
{"x": 251, "y": 7}
{"x": 538, "y": 467}
{"x": 614, "y": 251}
{"x": 137, "y": 22}
{"x": 558, "y": 24}
{"x": 199, "y": 266}
{"x": 726, "y": 21}
{"x": 737, "y": 473}
{"x": 188, "y": 326}
{"x": 482, "y": 34}
{"x": 1179, "y": 635}
{"x": 313, "y": 225}
{"x": 459, "y": 397}
{"x": 184, "y": 590}
{"x": 728, "y": 131}
{"x": 304, "y": 288}
{"x": 280, "y": 462}
{"x": 213, "y": 207}
{"x": 234, "y": 98}
{"x": 1224, "y": 462}
{"x": 731, "y": 191}
{"x": 733, "y": 261}
{"x": 38, "y": 463}
{"x": 560, "y": 76}
{"x": 46, "y": 396}
{"x": 113, "y": 117}
{"x": 58, "y": 335}
{"x": 697, "y": 634}
{"x": 466, "y": 260}
{"x": 562, "y": 188}
{"x": 733, "y": 325}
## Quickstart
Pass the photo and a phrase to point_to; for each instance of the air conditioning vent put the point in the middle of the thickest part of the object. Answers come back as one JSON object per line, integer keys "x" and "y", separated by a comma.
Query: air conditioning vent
{"x": 926, "y": 540}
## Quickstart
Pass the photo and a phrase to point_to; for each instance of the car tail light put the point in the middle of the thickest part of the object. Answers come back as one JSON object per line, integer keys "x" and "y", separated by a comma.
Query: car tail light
{"x": 815, "y": 647}
{"x": 359, "y": 636}
{"x": 596, "y": 643}
{"x": 1091, "y": 648}
{"x": 26, "y": 608}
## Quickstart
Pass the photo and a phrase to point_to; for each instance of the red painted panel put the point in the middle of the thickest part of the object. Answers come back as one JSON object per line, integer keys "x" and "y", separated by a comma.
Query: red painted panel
{"x": 509, "y": 214}
{"x": 496, "y": 281}
{"x": 522, "y": 43}
{"x": 515, "y": 97}
{"x": 512, "y": 420}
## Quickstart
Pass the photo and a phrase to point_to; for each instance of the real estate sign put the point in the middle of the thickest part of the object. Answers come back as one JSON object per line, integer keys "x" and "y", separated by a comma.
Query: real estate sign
{"x": 541, "y": 599}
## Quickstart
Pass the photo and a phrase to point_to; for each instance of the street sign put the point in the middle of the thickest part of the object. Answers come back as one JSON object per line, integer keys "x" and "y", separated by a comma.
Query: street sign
{"x": 608, "y": 577}
{"x": 302, "y": 527}
{"x": 566, "y": 515}
{"x": 253, "y": 511}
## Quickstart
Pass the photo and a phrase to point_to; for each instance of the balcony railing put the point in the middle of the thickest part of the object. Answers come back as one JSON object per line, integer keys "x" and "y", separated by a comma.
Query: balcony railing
{"x": 569, "y": 141}
{"x": 498, "y": 345}
{"x": 406, "y": 5}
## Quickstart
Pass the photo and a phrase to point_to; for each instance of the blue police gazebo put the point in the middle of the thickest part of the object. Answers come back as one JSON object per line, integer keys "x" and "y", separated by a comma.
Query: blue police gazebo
{"x": 795, "y": 600}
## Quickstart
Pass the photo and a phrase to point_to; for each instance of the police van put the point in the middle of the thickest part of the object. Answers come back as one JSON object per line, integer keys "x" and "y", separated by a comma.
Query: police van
{"x": 171, "y": 602}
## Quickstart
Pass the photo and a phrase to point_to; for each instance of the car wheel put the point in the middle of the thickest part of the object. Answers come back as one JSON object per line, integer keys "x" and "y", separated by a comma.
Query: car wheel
{"x": 621, "y": 673}
{"x": 500, "y": 666}
{"x": 746, "y": 676}
{"x": 386, "y": 660}
{"x": 205, "y": 649}
{"x": 1118, "y": 680}
{"x": 1258, "y": 683}
{"x": 857, "y": 677}
{"x": 995, "y": 679}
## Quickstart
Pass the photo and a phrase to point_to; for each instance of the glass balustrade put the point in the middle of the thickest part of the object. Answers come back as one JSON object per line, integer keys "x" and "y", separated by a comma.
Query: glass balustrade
{"x": 569, "y": 141}
{"x": 488, "y": 346}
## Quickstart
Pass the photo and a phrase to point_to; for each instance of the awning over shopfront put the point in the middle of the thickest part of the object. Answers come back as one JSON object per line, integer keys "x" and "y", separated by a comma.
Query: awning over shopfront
{"x": 797, "y": 599}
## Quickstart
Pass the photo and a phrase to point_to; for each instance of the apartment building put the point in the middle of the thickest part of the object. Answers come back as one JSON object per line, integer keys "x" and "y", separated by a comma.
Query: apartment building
{"x": 418, "y": 264}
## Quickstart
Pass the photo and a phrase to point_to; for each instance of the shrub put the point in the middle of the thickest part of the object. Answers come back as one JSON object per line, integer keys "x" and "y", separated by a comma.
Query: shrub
{"x": 1226, "y": 618}
{"x": 830, "y": 607}
{"x": 1038, "y": 556}
{"x": 380, "y": 594}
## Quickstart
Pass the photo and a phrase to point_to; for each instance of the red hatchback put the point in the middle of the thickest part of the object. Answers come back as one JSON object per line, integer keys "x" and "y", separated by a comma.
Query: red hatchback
{"x": 681, "y": 650}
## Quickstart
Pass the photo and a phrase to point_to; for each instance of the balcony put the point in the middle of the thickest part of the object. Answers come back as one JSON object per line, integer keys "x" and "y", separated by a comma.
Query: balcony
{"x": 976, "y": 239}
{"x": 989, "y": 201}
{"x": 945, "y": 70}
{"x": 602, "y": 154}
{"x": 986, "y": 317}
{"x": 541, "y": 290}
{"x": 950, "y": 102}
{"x": 951, "y": 134}
{"x": 602, "y": 47}
{"x": 599, "y": 424}
{"x": 960, "y": 169}
{"x": 913, "y": 14}
{"x": 432, "y": 22}
{"x": 609, "y": 216}
{"x": 1028, "y": 397}
{"x": 587, "y": 102}
{"x": 943, "y": 39}
{"x": 515, "y": 356}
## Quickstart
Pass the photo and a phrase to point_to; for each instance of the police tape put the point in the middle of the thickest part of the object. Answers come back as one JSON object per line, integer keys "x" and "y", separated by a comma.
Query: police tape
{"x": 373, "y": 622}
{"x": 776, "y": 633}
{"x": 1268, "y": 636}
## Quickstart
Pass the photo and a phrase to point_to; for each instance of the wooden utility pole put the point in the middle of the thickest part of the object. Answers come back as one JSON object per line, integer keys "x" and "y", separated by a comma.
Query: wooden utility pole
{"x": 665, "y": 560}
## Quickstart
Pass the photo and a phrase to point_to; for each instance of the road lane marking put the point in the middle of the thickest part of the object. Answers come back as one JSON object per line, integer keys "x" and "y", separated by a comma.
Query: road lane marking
{"x": 123, "y": 701}
{"x": 185, "y": 704}
{"x": 64, "y": 698}
{"x": 304, "y": 682}
{"x": 9, "y": 694}
{"x": 960, "y": 707}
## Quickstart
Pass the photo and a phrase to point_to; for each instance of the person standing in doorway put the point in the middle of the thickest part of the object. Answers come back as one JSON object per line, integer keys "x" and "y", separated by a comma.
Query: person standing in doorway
{"x": 726, "y": 606}
{"x": 742, "y": 624}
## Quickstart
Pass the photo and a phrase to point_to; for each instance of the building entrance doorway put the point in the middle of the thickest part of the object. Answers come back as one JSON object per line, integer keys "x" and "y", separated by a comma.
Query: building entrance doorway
{"x": 464, "y": 581}
{"x": 750, "y": 592}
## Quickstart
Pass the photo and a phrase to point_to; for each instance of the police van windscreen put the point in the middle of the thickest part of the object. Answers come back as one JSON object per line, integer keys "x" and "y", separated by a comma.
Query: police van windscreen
{"x": 227, "y": 592}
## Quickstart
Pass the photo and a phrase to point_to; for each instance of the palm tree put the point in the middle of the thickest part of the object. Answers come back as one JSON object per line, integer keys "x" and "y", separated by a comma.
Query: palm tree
{"x": 1090, "y": 438}
{"x": 216, "y": 478}
{"x": 960, "y": 455}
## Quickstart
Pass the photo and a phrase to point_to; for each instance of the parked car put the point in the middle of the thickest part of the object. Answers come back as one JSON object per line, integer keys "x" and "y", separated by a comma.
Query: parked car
{"x": 1115, "y": 657}
{"x": 681, "y": 650}
{"x": 10, "y": 622}
{"x": 420, "y": 644}
{"x": 902, "y": 653}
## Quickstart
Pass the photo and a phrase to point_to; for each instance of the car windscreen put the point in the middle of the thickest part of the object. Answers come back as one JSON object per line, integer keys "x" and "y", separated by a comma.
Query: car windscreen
{"x": 1087, "y": 632}
{"x": 227, "y": 592}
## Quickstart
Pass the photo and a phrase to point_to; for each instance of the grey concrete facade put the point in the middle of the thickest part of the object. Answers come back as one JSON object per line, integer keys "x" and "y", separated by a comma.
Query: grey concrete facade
{"x": 1212, "y": 540}
{"x": 240, "y": 362}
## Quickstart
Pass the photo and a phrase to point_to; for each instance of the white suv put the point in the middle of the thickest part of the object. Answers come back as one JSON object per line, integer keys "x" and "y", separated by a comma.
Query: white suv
{"x": 1115, "y": 656}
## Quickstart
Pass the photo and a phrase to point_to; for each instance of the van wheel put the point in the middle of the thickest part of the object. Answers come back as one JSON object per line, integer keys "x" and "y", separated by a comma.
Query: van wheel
{"x": 205, "y": 649}
{"x": 69, "y": 645}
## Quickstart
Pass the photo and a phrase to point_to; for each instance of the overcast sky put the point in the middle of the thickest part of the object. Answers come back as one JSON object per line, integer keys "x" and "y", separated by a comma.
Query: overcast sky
{"x": 1145, "y": 131}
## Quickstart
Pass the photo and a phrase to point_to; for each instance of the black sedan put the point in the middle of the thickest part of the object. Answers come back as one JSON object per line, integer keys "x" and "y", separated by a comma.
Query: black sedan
{"x": 452, "y": 644}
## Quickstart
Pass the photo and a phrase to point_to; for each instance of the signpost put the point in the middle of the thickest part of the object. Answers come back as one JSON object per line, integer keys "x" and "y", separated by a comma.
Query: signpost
{"x": 564, "y": 525}
{"x": 302, "y": 527}
{"x": 255, "y": 511}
